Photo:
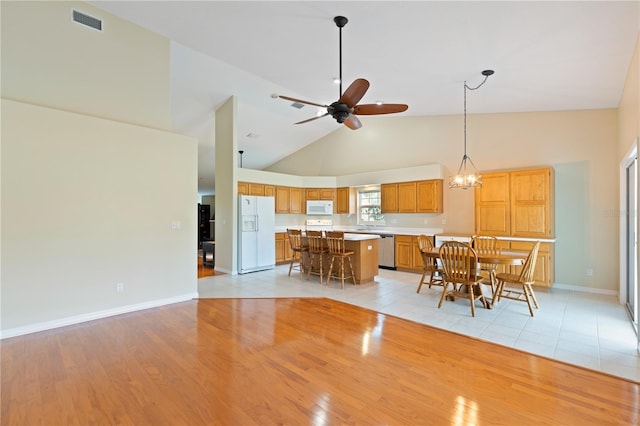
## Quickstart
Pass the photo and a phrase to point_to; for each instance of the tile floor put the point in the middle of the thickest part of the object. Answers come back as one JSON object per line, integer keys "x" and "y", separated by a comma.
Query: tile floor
{"x": 590, "y": 330}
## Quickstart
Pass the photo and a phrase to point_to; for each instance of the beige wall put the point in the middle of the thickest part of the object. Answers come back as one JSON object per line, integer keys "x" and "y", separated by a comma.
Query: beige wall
{"x": 121, "y": 73}
{"x": 629, "y": 111}
{"x": 88, "y": 203}
{"x": 95, "y": 192}
{"x": 576, "y": 143}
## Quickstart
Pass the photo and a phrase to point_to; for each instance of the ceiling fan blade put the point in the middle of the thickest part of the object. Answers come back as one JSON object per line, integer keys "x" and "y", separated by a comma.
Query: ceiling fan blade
{"x": 373, "y": 109}
{"x": 355, "y": 92}
{"x": 312, "y": 118}
{"x": 301, "y": 101}
{"x": 353, "y": 122}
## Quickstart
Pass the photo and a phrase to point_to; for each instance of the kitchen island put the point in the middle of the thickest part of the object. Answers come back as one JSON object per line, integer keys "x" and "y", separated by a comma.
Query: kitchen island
{"x": 364, "y": 258}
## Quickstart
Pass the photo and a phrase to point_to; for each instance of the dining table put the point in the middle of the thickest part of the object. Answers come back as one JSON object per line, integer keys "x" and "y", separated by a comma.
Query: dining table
{"x": 498, "y": 257}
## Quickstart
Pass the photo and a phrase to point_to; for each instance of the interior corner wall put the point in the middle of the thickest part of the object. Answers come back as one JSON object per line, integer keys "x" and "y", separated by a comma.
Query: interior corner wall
{"x": 88, "y": 203}
{"x": 121, "y": 73}
{"x": 226, "y": 186}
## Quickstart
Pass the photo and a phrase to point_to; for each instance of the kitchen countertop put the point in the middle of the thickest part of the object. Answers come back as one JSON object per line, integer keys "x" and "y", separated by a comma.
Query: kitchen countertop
{"x": 379, "y": 230}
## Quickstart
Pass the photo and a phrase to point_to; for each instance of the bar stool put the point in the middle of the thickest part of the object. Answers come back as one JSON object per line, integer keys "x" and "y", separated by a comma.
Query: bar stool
{"x": 337, "y": 250}
{"x": 295, "y": 241}
{"x": 317, "y": 250}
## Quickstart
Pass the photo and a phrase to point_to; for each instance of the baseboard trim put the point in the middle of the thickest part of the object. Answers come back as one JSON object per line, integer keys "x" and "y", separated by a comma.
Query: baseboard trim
{"x": 585, "y": 289}
{"x": 77, "y": 319}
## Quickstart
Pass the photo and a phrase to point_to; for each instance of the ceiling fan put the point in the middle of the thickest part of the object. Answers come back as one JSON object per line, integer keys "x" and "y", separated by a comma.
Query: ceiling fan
{"x": 346, "y": 108}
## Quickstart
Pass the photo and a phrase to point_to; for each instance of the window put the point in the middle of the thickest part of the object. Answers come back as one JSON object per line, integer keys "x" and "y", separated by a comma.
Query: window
{"x": 370, "y": 206}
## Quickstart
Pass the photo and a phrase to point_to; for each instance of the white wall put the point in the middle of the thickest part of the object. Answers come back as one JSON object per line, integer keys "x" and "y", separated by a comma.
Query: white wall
{"x": 88, "y": 203}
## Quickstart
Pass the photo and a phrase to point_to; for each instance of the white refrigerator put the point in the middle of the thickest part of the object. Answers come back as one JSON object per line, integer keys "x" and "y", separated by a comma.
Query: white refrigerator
{"x": 256, "y": 233}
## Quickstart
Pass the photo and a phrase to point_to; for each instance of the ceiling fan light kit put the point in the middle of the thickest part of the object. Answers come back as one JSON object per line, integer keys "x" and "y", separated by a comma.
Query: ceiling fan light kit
{"x": 468, "y": 175}
{"x": 346, "y": 108}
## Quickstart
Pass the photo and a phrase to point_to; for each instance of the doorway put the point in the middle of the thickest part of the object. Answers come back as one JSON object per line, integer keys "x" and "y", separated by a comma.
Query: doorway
{"x": 629, "y": 226}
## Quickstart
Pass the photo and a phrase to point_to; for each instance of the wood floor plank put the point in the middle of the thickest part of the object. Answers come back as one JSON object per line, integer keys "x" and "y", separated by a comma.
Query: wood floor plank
{"x": 291, "y": 361}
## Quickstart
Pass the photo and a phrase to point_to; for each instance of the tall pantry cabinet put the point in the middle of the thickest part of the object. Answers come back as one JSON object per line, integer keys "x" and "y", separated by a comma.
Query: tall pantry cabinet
{"x": 517, "y": 207}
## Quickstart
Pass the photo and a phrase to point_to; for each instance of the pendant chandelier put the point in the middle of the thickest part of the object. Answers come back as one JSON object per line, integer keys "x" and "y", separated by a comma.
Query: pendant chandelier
{"x": 468, "y": 176}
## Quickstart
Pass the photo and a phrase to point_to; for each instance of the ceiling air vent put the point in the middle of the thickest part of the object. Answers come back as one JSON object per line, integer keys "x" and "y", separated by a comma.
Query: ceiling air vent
{"x": 86, "y": 20}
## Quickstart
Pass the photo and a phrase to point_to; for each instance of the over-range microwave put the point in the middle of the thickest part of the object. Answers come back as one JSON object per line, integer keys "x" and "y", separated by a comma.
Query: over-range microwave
{"x": 319, "y": 207}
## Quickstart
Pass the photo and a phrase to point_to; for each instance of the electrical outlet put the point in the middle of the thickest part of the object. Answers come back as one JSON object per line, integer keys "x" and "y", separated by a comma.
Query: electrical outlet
{"x": 426, "y": 221}
{"x": 589, "y": 272}
{"x": 175, "y": 224}
{"x": 444, "y": 221}
{"x": 119, "y": 287}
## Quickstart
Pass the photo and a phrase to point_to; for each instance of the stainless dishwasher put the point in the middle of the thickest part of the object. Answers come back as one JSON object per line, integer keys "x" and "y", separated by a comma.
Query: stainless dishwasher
{"x": 387, "y": 251}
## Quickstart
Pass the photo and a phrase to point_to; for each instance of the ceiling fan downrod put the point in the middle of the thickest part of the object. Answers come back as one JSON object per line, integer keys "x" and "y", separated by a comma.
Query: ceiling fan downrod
{"x": 340, "y": 21}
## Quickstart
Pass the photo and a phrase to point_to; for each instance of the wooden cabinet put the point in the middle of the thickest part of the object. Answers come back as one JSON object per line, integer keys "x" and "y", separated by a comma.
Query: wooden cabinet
{"x": 250, "y": 188}
{"x": 517, "y": 203}
{"x": 429, "y": 196}
{"x": 296, "y": 202}
{"x": 492, "y": 205}
{"x": 543, "y": 273}
{"x": 346, "y": 200}
{"x": 256, "y": 189}
{"x": 282, "y": 199}
{"x": 424, "y": 196}
{"x": 408, "y": 255}
{"x": 531, "y": 203}
{"x": 389, "y": 197}
{"x": 407, "y": 197}
{"x": 320, "y": 194}
{"x": 283, "y": 248}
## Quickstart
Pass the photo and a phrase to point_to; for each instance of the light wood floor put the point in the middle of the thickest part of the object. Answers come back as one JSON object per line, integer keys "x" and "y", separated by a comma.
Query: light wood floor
{"x": 291, "y": 361}
{"x": 206, "y": 271}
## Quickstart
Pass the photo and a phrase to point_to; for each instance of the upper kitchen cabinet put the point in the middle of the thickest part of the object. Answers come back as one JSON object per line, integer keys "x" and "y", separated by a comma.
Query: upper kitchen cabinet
{"x": 243, "y": 188}
{"x": 429, "y": 196}
{"x": 517, "y": 203}
{"x": 320, "y": 194}
{"x": 492, "y": 205}
{"x": 407, "y": 197}
{"x": 423, "y": 196}
{"x": 282, "y": 199}
{"x": 296, "y": 202}
{"x": 532, "y": 203}
{"x": 269, "y": 191}
{"x": 389, "y": 197}
{"x": 346, "y": 200}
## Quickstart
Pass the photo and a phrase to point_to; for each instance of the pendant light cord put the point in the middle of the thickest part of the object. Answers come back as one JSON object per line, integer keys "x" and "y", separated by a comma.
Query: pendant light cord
{"x": 486, "y": 76}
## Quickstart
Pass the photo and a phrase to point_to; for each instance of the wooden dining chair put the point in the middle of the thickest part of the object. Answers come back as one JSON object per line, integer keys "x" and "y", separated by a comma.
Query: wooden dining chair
{"x": 317, "y": 250}
{"x": 524, "y": 281}
{"x": 338, "y": 251}
{"x": 460, "y": 264}
{"x": 429, "y": 263}
{"x": 485, "y": 244}
{"x": 298, "y": 249}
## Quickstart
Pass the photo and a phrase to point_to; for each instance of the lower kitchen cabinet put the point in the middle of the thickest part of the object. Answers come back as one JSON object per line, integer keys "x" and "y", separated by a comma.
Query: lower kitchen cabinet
{"x": 283, "y": 248}
{"x": 408, "y": 255}
{"x": 543, "y": 274}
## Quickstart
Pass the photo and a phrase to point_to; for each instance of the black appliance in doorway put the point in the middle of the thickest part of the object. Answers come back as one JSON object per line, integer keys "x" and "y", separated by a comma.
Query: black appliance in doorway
{"x": 204, "y": 213}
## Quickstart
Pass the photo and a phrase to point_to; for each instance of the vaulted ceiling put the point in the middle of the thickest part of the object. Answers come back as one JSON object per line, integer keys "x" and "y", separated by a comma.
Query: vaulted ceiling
{"x": 547, "y": 56}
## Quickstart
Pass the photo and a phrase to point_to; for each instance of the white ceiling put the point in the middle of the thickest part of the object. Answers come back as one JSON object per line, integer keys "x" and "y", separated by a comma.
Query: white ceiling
{"x": 547, "y": 56}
